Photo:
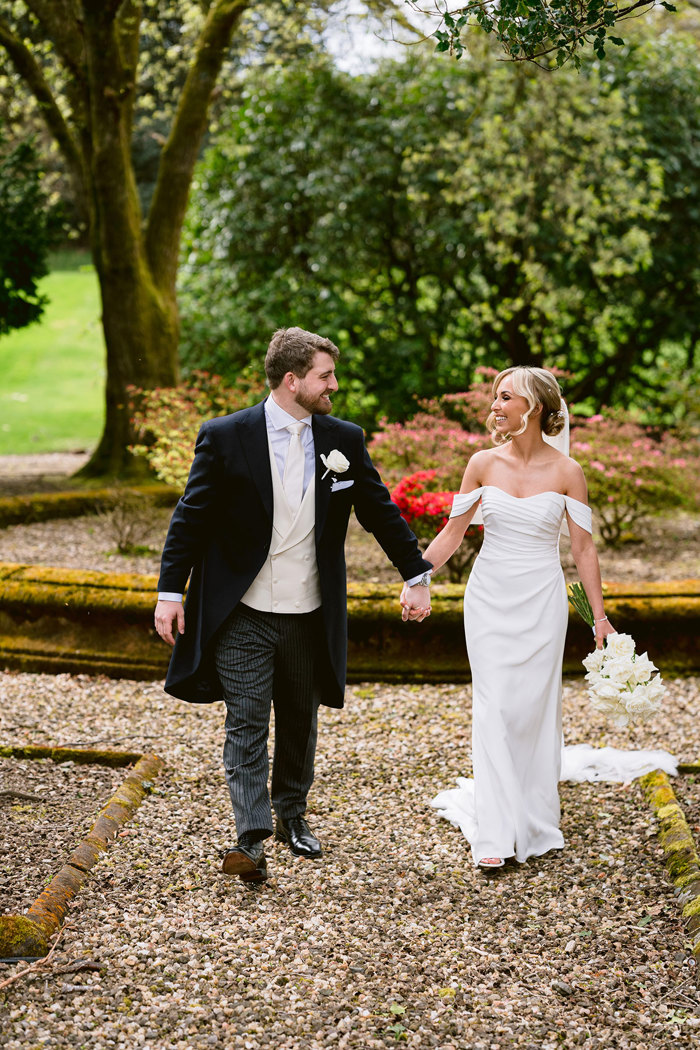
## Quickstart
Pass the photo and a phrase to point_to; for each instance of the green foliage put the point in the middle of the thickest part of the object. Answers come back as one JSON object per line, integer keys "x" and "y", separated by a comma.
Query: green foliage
{"x": 632, "y": 472}
{"x": 168, "y": 419}
{"x": 23, "y": 236}
{"x": 479, "y": 213}
{"x": 537, "y": 30}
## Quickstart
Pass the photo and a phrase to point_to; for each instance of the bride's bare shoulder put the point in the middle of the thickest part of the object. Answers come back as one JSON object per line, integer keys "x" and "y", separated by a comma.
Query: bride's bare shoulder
{"x": 573, "y": 479}
{"x": 474, "y": 474}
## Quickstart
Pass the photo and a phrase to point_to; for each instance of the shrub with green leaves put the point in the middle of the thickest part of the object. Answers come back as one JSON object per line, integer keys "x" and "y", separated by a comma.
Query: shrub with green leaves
{"x": 633, "y": 472}
{"x": 442, "y": 436}
{"x": 168, "y": 419}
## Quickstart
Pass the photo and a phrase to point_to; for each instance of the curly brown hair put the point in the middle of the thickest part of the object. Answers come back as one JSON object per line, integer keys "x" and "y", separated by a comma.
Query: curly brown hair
{"x": 293, "y": 350}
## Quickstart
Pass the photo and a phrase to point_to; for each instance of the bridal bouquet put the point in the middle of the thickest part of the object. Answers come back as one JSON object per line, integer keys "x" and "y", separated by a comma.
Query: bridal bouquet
{"x": 620, "y": 681}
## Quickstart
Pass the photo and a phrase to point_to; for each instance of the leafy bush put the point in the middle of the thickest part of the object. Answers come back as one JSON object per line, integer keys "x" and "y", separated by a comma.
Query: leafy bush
{"x": 441, "y": 437}
{"x": 632, "y": 472}
{"x": 428, "y": 511}
{"x": 168, "y": 419}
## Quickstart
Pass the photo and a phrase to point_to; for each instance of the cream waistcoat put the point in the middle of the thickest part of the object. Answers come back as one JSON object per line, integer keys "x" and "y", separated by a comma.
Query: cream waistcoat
{"x": 288, "y": 581}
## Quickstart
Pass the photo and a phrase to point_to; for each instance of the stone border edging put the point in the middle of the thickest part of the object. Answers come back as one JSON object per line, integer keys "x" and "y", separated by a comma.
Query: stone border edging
{"x": 81, "y": 755}
{"x": 51, "y": 506}
{"x": 86, "y": 622}
{"x": 27, "y": 935}
{"x": 682, "y": 860}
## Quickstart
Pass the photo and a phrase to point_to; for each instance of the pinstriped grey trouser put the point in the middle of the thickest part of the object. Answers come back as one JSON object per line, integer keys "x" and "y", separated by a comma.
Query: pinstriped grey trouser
{"x": 269, "y": 660}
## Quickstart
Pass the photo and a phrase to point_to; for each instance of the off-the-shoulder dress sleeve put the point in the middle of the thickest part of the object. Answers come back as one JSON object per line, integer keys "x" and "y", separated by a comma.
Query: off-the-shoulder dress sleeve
{"x": 464, "y": 501}
{"x": 579, "y": 513}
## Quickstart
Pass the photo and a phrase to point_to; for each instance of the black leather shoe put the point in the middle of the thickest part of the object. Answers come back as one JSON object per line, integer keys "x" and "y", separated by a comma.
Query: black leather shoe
{"x": 248, "y": 862}
{"x": 299, "y": 837}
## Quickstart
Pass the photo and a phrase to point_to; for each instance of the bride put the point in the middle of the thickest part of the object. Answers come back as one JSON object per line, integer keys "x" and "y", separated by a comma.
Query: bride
{"x": 516, "y": 614}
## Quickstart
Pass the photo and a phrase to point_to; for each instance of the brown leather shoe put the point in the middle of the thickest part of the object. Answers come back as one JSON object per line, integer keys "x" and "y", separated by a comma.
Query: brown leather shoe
{"x": 248, "y": 862}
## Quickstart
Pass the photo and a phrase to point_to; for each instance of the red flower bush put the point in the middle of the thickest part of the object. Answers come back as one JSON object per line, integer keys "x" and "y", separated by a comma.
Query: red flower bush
{"x": 428, "y": 511}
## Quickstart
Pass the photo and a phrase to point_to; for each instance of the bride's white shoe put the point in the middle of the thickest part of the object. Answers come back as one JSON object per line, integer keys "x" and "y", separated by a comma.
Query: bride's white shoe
{"x": 491, "y": 862}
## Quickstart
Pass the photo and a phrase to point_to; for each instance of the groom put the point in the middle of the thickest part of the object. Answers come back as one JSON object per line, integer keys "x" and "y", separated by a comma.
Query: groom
{"x": 261, "y": 528}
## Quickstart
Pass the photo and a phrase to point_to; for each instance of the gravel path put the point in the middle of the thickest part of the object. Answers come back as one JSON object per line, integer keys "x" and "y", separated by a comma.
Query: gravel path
{"x": 37, "y": 833}
{"x": 393, "y": 937}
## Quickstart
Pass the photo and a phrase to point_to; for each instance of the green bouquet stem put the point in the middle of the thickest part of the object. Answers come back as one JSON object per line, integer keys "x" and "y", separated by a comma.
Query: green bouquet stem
{"x": 580, "y": 602}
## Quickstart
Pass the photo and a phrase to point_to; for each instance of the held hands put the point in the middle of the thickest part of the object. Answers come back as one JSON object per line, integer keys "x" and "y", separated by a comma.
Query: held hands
{"x": 415, "y": 603}
{"x": 167, "y": 615}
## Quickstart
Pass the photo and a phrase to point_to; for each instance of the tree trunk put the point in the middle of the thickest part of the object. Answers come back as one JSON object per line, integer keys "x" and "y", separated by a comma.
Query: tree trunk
{"x": 141, "y": 330}
{"x": 97, "y": 44}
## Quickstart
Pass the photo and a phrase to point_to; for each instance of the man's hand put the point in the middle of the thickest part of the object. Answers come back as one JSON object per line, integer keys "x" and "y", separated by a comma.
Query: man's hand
{"x": 167, "y": 615}
{"x": 415, "y": 603}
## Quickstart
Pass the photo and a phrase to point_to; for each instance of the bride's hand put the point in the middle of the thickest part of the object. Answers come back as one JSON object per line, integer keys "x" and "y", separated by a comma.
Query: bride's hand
{"x": 415, "y": 603}
{"x": 602, "y": 629}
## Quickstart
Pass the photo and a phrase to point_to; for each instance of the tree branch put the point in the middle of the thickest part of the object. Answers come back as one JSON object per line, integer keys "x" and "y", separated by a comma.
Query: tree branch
{"x": 111, "y": 91}
{"x": 60, "y": 20}
{"x": 128, "y": 24}
{"x": 182, "y": 148}
{"x": 31, "y": 73}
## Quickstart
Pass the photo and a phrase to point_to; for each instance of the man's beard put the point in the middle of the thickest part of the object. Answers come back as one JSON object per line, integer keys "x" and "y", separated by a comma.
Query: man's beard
{"x": 313, "y": 405}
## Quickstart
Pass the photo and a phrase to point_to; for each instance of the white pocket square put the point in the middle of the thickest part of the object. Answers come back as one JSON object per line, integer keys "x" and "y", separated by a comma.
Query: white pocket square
{"x": 337, "y": 485}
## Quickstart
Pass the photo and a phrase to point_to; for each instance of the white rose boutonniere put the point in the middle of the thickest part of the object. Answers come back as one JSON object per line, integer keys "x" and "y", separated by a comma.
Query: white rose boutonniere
{"x": 335, "y": 461}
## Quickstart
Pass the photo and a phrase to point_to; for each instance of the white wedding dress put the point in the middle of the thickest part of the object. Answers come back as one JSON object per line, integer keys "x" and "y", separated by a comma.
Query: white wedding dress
{"x": 515, "y": 617}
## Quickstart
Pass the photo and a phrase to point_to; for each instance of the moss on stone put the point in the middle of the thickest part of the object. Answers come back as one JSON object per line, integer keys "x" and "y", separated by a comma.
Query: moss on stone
{"x": 46, "y": 506}
{"x": 692, "y": 908}
{"x": 682, "y": 860}
{"x": 81, "y": 755}
{"x": 21, "y": 938}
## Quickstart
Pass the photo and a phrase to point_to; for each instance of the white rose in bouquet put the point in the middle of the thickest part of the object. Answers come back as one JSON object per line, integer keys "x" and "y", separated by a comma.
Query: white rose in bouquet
{"x": 611, "y": 707}
{"x": 656, "y": 690}
{"x": 605, "y": 690}
{"x": 594, "y": 660}
{"x": 619, "y": 645}
{"x": 642, "y": 669}
{"x": 620, "y": 683}
{"x": 640, "y": 705}
{"x": 617, "y": 669}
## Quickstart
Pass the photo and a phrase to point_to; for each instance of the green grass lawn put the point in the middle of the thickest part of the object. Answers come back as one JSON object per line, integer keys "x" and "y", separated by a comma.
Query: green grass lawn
{"x": 52, "y": 373}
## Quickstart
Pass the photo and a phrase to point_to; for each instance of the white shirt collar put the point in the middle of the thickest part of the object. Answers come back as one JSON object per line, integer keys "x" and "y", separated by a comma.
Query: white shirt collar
{"x": 279, "y": 417}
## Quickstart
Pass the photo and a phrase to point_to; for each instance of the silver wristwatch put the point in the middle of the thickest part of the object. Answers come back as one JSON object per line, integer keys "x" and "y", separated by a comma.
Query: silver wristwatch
{"x": 424, "y": 581}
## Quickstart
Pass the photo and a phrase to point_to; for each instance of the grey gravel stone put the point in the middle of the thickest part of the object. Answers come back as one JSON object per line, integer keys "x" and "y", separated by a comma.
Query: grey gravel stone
{"x": 393, "y": 937}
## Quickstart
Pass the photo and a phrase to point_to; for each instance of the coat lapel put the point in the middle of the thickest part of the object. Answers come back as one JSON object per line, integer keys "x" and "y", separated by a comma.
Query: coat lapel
{"x": 257, "y": 452}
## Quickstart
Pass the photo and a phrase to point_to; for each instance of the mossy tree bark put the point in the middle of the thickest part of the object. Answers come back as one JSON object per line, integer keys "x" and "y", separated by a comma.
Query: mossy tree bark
{"x": 88, "y": 108}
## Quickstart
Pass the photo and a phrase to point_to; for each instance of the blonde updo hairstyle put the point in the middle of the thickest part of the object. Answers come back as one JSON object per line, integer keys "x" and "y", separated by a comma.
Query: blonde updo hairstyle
{"x": 538, "y": 387}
